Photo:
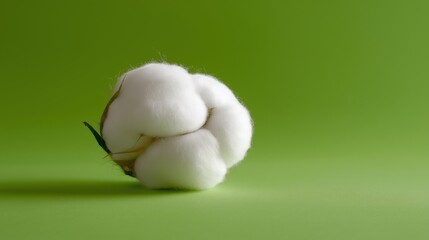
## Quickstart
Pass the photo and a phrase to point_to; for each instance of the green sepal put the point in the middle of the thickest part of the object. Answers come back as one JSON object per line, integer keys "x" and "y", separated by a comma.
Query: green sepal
{"x": 98, "y": 137}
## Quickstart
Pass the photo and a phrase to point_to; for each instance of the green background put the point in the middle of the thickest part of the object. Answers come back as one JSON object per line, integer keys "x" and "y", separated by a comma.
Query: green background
{"x": 337, "y": 91}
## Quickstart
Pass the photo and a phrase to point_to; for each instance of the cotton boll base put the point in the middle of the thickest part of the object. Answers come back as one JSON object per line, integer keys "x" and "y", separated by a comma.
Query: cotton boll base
{"x": 173, "y": 129}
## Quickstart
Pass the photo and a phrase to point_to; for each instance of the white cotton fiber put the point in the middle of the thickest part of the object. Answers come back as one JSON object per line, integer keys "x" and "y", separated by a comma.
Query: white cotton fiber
{"x": 189, "y": 161}
{"x": 173, "y": 129}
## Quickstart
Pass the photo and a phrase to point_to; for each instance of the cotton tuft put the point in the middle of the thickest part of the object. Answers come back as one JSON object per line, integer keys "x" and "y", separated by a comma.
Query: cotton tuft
{"x": 173, "y": 129}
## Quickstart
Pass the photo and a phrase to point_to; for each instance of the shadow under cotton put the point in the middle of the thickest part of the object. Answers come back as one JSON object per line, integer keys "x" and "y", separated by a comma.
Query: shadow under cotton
{"x": 78, "y": 188}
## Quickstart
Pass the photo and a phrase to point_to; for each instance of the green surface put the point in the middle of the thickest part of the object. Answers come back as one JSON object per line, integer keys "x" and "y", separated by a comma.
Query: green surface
{"x": 337, "y": 90}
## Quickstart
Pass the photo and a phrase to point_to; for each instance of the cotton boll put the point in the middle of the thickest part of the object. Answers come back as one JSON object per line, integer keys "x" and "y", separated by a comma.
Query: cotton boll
{"x": 190, "y": 161}
{"x": 173, "y": 129}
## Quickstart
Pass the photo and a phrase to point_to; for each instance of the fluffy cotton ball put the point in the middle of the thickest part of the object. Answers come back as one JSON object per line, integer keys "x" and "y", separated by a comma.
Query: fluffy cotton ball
{"x": 173, "y": 129}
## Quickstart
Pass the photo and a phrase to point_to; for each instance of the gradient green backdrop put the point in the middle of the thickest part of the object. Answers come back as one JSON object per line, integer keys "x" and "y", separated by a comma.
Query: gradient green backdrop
{"x": 338, "y": 91}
